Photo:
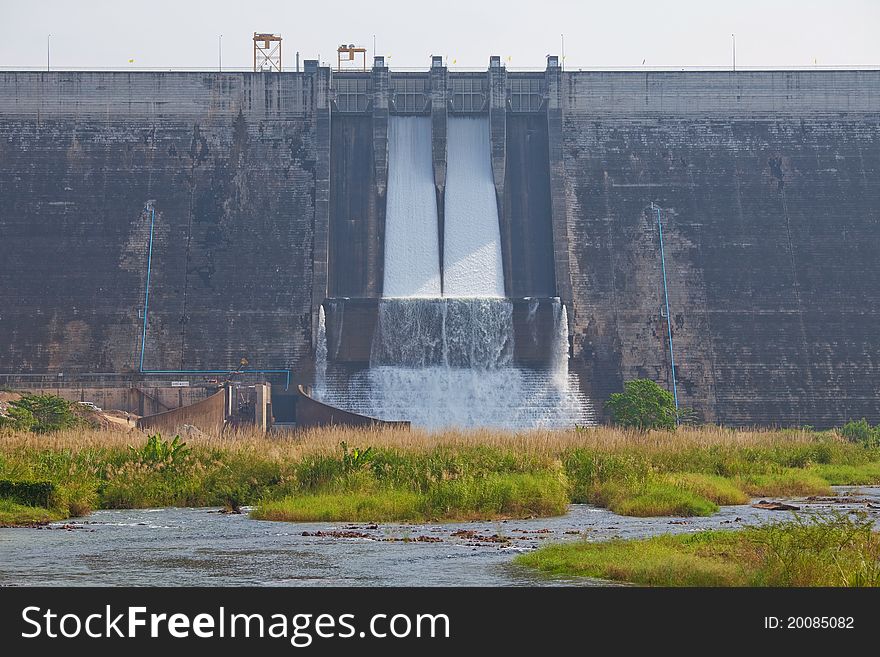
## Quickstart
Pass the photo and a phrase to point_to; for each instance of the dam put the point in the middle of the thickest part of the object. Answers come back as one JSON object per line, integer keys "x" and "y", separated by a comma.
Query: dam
{"x": 508, "y": 274}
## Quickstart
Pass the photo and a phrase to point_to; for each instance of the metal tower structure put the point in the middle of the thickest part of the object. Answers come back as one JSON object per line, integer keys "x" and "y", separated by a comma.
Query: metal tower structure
{"x": 267, "y": 52}
{"x": 349, "y": 53}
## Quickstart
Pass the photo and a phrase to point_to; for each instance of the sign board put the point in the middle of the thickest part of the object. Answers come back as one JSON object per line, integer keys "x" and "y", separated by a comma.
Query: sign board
{"x": 180, "y": 384}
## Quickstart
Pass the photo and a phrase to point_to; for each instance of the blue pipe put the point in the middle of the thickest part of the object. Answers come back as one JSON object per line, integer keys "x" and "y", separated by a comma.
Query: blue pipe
{"x": 668, "y": 316}
{"x": 147, "y": 287}
{"x": 144, "y": 332}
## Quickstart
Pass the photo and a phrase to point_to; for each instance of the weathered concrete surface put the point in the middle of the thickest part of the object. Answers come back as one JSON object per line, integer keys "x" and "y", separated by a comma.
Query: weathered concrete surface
{"x": 355, "y": 213}
{"x": 229, "y": 162}
{"x": 312, "y": 413}
{"x": 526, "y": 223}
{"x": 140, "y": 399}
{"x": 770, "y": 197}
{"x": 208, "y": 415}
{"x": 352, "y": 323}
{"x": 768, "y": 184}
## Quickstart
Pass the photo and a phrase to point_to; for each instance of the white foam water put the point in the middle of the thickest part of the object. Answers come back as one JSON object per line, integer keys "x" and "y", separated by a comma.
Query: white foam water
{"x": 443, "y": 363}
{"x": 412, "y": 243}
{"x": 321, "y": 352}
{"x": 471, "y": 234}
{"x": 467, "y": 333}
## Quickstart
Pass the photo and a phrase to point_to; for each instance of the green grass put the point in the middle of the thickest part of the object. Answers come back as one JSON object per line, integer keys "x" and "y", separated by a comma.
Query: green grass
{"x": 12, "y": 513}
{"x": 655, "y": 498}
{"x": 452, "y": 475}
{"x": 864, "y": 474}
{"x": 788, "y": 483}
{"x": 834, "y": 550}
{"x": 714, "y": 488}
{"x": 661, "y": 561}
{"x": 381, "y": 506}
{"x": 493, "y": 496}
{"x": 693, "y": 481}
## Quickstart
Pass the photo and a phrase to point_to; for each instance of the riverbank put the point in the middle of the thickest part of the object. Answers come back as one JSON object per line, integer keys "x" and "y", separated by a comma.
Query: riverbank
{"x": 830, "y": 550}
{"x": 387, "y": 474}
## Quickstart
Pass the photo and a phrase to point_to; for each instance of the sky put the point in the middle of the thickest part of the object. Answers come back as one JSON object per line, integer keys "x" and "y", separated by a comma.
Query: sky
{"x": 611, "y": 33}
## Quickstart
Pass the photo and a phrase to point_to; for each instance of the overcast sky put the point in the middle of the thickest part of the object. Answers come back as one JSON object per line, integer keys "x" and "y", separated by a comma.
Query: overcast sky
{"x": 184, "y": 33}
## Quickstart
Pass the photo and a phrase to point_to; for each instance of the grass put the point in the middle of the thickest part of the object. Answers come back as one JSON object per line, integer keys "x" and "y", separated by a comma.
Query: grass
{"x": 510, "y": 495}
{"x": 448, "y": 475}
{"x": 786, "y": 483}
{"x": 714, "y": 488}
{"x": 864, "y": 474}
{"x": 654, "y": 498}
{"x": 13, "y": 514}
{"x": 357, "y": 507}
{"x": 834, "y": 550}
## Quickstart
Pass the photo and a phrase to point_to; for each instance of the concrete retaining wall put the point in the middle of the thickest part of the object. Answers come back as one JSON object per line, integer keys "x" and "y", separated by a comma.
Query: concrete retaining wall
{"x": 207, "y": 415}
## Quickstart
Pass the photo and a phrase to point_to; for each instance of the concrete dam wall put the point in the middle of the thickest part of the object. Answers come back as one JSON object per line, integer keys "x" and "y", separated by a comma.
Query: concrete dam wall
{"x": 266, "y": 194}
{"x": 230, "y": 165}
{"x": 769, "y": 189}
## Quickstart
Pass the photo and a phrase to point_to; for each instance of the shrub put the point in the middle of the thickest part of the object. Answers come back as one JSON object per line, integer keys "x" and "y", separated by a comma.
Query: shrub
{"x": 355, "y": 458}
{"x": 49, "y": 412}
{"x": 861, "y": 433}
{"x": 643, "y": 405}
{"x": 29, "y": 493}
{"x": 17, "y": 418}
{"x": 160, "y": 451}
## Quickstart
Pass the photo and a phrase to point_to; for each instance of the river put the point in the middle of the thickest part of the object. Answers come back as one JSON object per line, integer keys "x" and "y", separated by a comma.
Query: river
{"x": 203, "y": 547}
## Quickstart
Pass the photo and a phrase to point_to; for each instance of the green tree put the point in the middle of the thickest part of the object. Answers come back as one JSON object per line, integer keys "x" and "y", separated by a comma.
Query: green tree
{"x": 17, "y": 418}
{"x": 643, "y": 405}
{"x": 50, "y": 413}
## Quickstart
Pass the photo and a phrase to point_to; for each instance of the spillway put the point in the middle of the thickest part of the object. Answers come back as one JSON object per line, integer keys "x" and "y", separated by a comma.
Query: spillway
{"x": 449, "y": 363}
{"x": 412, "y": 244}
{"x": 472, "y": 238}
{"x": 447, "y": 359}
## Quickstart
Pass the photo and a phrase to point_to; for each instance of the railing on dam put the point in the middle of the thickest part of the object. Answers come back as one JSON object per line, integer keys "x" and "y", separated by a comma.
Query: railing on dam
{"x": 451, "y": 69}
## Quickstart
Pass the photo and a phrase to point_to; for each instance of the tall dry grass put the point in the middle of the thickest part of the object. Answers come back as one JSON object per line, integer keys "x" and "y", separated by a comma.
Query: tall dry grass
{"x": 540, "y": 443}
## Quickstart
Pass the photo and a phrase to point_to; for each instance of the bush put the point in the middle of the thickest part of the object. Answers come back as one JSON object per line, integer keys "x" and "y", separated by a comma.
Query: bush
{"x": 643, "y": 405}
{"x": 861, "y": 433}
{"x": 157, "y": 451}
{"x": 17, "y": 419}
{"x": 29, "y": 493}
{"x": 49, "y": 413}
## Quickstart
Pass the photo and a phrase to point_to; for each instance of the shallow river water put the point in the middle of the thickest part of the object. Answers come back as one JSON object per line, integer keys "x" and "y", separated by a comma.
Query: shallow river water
{"x": 190, "y": 547}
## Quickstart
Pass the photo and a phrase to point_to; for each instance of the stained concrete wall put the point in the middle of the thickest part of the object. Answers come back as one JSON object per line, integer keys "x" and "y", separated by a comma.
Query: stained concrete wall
{"x": 355, "y": 265}
{"x": 230, "y": 164}
{"x": 767, "y": 181}
{"x": 770, "y": 196}
{"x": 141, "y": 399}
{"x": 207, "y": 415}
{"x": 527, "y": 236}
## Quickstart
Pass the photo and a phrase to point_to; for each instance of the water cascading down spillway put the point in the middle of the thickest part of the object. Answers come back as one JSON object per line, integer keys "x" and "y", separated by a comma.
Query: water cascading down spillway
{"x": 447, "y": 359}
